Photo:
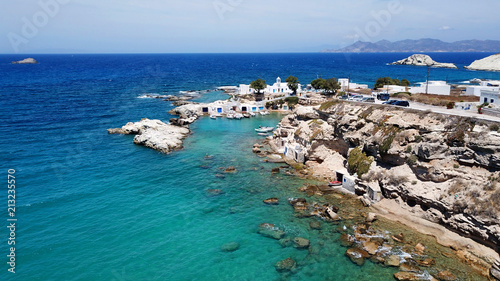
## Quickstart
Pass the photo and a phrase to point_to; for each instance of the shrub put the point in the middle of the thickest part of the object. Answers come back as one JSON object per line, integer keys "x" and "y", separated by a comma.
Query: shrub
{"x": 456, "y": 166}
{"x": 409, "y": 149}
{"x": 358, "y": 162}
{"x": 450, "y": 105}
{"x": 418, "y": 138}
{"x": 412, "y": 160}
{"x": 292, "y": 101}
{"x": 494, "y": 127}
{"x": 396, "y": 180}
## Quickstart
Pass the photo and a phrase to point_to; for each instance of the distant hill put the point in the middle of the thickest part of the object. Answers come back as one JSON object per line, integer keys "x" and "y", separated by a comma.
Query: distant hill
{"x": 421, "y": 45}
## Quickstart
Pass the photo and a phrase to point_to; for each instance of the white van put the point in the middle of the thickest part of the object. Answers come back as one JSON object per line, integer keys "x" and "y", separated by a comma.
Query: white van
{"x": 368, "y": 99}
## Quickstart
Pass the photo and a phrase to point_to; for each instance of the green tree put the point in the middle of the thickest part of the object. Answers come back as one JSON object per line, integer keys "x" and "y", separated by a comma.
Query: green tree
{"x": 383, "y": 81}
{"x": 331, "y": 85}
{"x": 293, "y": 83}
{"x": 318, "y": 84}
{"x": 258, "y": 85}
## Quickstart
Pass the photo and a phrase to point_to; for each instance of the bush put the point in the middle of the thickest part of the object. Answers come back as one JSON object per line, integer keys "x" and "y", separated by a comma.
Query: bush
{"x": 412, "y": 160}
{"x": 450, "y": 105}
{"x": 358, "y": 162}
{"x": 397, "y": 180}
{"x": 328, "y": 104}
{"x": 494, "y": 127}
{"x": 292, "y": 101}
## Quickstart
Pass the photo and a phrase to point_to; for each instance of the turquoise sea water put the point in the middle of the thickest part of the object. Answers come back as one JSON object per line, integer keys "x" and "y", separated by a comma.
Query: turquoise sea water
{"x": 93, "y": 206}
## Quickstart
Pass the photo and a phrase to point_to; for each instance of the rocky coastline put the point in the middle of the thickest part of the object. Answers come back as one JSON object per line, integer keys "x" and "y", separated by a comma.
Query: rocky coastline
{"x": 423, "y": 60}
{"x": 442, "y": 169}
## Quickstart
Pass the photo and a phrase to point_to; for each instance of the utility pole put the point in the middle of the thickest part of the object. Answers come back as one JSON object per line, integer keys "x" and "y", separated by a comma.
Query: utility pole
{"x": 427, "y": 84}
{"x": 348, "y": 83}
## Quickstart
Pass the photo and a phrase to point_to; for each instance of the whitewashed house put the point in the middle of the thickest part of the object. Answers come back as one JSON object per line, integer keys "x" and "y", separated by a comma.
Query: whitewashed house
{"x": 475, "y": 90}
{"x": 434, "y": 87}
{"x": 278, "y": 87}
{"x": 490, "y": 96}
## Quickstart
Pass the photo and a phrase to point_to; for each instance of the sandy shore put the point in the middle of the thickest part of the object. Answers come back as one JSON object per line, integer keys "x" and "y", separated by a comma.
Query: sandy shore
{"x": 391, "y": 210}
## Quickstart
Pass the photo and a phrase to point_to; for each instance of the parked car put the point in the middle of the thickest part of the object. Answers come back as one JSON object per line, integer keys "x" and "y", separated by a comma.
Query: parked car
{"x": 358, "y": 98}
{"x": 383, "y": 96}
{"x": 344, "y": 97}
{"x": 402, "y": 103}
{"x": 390, "y": 102}
{"x": 368, "y": 99}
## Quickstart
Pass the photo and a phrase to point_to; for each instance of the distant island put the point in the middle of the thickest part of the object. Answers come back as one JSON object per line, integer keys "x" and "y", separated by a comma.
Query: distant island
{"x": 421, "y": 45}
{"x": 26, "y": 61}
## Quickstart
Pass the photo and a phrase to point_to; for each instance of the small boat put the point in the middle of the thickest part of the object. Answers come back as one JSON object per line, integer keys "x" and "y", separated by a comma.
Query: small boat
{"x": 246, "y": 115}
{"x": 238, "y": 116}
{"x": 213, "y": 116}
{"x": 335, "y": 183}
{"x": 264, "y": 113}
{"x": 252, "y": 114}
{"x": 262, "y": 134}
{"x": 230, "y": 116}
{"x": 264, "y": 129}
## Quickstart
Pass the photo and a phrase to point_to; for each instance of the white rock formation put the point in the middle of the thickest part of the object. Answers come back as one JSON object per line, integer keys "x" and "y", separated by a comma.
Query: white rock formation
{"x": 154, "y": 134}
{"x": 423, "y": 60}
{"x": 491, "y": 63}
{"x": 26, "y": 61}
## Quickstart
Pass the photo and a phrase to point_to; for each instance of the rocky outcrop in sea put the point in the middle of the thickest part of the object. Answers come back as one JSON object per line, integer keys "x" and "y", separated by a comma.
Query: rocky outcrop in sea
{"x": 491, "y": 63}
{"x": 26, "y": 61}
{"x": 423, "y": 60}
{"x": 154, "y": 134}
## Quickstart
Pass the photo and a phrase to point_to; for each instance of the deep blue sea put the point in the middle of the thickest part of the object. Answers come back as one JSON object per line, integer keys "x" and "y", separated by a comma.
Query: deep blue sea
{"x": 93, "y": 206}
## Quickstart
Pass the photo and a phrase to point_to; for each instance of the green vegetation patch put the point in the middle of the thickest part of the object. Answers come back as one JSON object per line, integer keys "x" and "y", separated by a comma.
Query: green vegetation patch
{"x": 358, "y": 162}
{"x": 328, "y": 104}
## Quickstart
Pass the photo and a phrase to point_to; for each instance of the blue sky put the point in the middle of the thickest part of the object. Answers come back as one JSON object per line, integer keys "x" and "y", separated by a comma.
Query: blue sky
{"x": 163, "y": 26}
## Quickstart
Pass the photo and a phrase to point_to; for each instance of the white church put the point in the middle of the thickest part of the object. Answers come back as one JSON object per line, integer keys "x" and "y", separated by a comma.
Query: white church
{"x": 278, "y": 88}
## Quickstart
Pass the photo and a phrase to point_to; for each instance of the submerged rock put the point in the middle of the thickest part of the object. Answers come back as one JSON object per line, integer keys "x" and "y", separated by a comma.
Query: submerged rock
{"x": 410, "y": 276}
{"x": 285, "y": 265}
{"x": 446, "y": 276}
{"x": 230, "y": 247}
{"x": 269, "y": 230}
{"x": 271, "y": 201}
{"x": 301, "y": 243}
{"x": 215, "y": 192}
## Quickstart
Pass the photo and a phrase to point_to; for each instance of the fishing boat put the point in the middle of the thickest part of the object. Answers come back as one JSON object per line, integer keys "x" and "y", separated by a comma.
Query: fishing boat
{"x": 246, "y": 115}
{"x": 264, "y": 113}
{"x": 238, "y": 116}
{"x": 262, "y": 134}
{"x": 230, "y": 116}
{"x": 213, "y": 116}
{"x": 264, "y": 129}
{"x": 335, "y": 183}
{"x": 252, "y": 114}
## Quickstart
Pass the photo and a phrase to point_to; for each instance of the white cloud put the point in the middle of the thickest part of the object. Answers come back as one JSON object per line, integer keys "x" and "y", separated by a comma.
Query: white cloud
{"x": 445, "y": 27}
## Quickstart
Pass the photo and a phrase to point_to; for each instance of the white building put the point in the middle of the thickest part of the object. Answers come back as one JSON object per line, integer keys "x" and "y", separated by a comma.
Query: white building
{"x": 344, "y": 85}
{"x": 433, "y": 87}
{"x": 475, "y": 90}
{"x": 490, "y": 96}
{"x": 278, "y": 88}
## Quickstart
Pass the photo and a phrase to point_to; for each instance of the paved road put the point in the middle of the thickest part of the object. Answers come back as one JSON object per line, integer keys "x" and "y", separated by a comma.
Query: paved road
{"x": 457, "y": 112}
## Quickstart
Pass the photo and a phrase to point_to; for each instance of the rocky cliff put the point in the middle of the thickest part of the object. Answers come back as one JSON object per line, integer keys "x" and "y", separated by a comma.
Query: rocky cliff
{"x": 442, "y": 168}
{"x": 491, "y": 63}
{"x": 423, "y": 60}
